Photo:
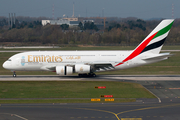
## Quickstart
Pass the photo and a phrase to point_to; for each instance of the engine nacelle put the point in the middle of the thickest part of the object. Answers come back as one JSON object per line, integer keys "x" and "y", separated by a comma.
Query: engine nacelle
{"x": 64, "y": 70}
{"x": 82, "y": 68}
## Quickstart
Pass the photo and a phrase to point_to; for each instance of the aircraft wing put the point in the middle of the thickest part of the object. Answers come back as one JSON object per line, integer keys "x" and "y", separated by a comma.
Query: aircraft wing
{"x": 102, "y": 66}
{"x": 49, "y": 68}
{"x": 97, "y": 66}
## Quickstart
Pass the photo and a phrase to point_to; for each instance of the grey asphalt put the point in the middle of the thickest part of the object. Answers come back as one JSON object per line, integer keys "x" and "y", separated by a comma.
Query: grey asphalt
{"x": 143, "y": 109}
{"x": 130, "y": 78}
{"x": 90, "y": 111}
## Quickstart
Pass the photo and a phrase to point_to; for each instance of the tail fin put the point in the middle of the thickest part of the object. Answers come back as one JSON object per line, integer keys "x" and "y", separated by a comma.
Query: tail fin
{"x": 155, "y": 40}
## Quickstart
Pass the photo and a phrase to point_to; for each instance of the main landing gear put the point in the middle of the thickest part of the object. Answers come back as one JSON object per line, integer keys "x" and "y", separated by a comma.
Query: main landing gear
{"x": 14, "y": 74}
{"x": 87, "y": 75}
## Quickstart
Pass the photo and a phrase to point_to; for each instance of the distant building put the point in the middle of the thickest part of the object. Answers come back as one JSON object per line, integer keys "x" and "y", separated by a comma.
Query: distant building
{"x": 45, "y": 22}
{"x": 74, "y": 23}
{"x": 71, "y": 19}
{"x": 60, "y": 22}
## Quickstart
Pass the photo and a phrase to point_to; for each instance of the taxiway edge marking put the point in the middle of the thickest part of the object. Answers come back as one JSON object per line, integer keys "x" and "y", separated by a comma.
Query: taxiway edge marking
{"x": 147, "y": 108}
{"x": 153, "y": 94}
{"x": 100, "y": 111}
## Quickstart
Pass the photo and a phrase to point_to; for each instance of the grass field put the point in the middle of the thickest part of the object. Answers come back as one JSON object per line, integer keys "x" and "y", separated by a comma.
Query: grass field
{"x": 94, "y": 48}
{"x": 64, "y": 101}
{"x": 70, "y": 89}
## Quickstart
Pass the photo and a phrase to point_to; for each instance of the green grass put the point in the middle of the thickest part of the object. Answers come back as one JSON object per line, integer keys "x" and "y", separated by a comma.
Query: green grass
{"x": 128, "y": 92}
{"x": 79, "y": 48}
{"x": 64, "y": 101}
{"x": 171, "y": 47}
{"x": 71, "y": 89}
{"x": 92, "y": 48}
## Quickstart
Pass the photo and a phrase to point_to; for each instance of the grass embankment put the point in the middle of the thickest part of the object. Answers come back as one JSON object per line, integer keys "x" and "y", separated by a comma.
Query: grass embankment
{"x": 71, "y": 90}
{"x": 90, "y": 48}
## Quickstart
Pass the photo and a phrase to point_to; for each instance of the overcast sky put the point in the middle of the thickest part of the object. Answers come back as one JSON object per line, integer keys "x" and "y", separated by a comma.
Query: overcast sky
{"x": 144, "y": 9}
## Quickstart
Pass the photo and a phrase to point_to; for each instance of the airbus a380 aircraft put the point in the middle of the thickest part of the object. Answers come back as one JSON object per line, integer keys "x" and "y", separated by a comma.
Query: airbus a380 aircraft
{"x": 89, "y": 62}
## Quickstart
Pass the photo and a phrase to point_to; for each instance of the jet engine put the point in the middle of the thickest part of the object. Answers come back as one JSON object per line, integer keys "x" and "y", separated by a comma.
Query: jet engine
{"x": 64, "y": 70}
{"x": 82, "y": 68}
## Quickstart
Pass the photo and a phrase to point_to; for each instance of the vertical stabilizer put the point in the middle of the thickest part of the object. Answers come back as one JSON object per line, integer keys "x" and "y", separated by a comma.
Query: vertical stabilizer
{"x": 155, "y": 40}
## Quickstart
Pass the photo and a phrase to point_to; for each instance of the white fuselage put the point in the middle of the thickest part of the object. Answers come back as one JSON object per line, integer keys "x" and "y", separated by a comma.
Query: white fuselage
{"x": 41, "y": 60}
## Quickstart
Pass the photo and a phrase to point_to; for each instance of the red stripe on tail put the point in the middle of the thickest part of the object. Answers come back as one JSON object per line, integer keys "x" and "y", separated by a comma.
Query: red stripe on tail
{"x": 138, "y": 50}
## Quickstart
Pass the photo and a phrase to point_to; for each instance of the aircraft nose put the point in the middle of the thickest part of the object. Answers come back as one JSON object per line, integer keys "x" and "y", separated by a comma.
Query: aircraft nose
{"x": 6, "y": 65}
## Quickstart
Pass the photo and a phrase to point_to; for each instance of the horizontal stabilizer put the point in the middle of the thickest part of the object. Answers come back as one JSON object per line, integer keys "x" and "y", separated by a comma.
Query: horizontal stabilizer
{"x": 158, "y": 57}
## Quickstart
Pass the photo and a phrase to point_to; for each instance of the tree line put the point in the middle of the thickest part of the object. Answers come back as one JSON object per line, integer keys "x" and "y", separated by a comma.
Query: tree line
{"x": 122, "y": 32}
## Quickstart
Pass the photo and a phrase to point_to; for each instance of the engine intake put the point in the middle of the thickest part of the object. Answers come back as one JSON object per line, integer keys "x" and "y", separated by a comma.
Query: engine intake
{"x": 64, "y": 70}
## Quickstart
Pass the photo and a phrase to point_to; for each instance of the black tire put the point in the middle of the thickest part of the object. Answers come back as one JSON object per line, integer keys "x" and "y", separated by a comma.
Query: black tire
{"x": 94, "y": 75}
{"x": 85, "y": 75}
{"x": 80, "y": 75}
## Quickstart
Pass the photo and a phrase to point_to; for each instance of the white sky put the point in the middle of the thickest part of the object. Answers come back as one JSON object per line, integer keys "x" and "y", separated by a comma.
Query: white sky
{"x": 144, "y": 9}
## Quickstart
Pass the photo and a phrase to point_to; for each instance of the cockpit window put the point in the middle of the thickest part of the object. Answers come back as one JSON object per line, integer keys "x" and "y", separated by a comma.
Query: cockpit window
{"x": 9, "y": 60}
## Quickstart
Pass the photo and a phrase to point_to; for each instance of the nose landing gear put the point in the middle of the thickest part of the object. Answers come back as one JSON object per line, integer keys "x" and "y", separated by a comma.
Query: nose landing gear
{"x": 14, "y": 74}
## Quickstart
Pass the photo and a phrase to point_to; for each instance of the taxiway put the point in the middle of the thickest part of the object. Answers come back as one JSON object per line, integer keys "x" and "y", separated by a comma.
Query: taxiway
{"x": 166, "y": 88}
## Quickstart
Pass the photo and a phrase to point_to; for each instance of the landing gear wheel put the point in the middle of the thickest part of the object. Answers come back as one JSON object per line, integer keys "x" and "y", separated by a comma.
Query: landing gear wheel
{"x": 92, "y": 75}
{"x": 87, "y": 75}
{"x": 83, "y": 75}
{"x": 14, "y": 75}
{"x": 80, "y": 75}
